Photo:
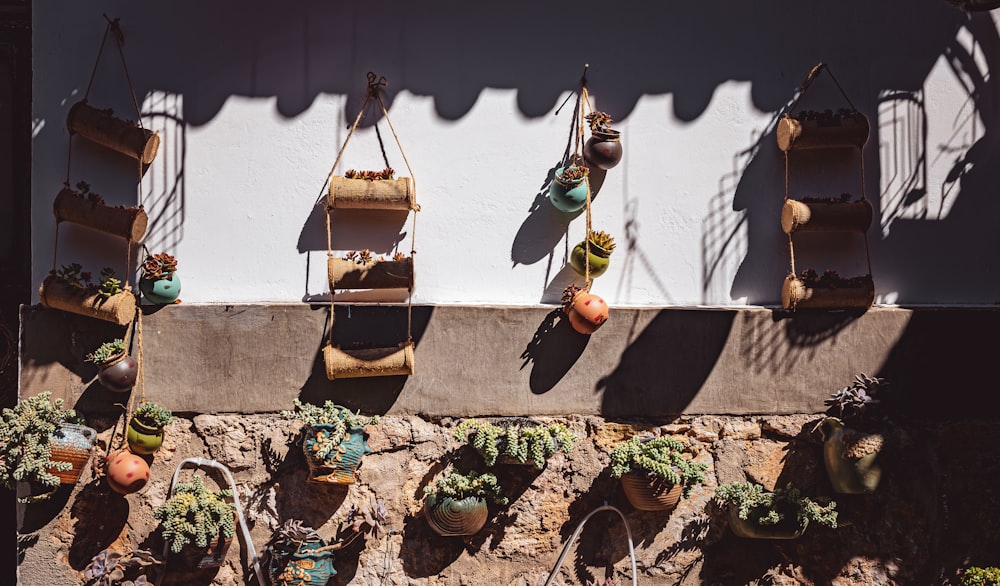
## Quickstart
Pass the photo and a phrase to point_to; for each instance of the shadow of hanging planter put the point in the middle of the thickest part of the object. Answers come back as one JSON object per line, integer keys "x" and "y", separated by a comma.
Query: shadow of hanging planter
{"x": 118, "y": 308}
{"x": 103, "y": 128}
{"x": 91, "y": 211}
{"x": 554, "y": 349}
{"x": 365, "y": 362}
{"x": 378, "y": 194}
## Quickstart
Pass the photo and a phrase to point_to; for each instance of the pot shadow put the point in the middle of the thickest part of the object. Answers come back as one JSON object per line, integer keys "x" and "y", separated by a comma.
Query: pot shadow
{"x": 542, "y": 229}
{"x": 296, "y": 497}
{"x": 35, "y": 516}
{"x": 101, "y": 515}
{"x": 553, "y": 350}
{"x": 54, "y": 336}
{"x": 102, "y": 406}
{"x": 353, "y": 229}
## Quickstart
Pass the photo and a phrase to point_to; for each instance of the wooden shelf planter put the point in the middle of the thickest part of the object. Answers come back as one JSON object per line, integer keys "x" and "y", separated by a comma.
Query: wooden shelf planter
{"x": 796, "y": 294}
{"x": 127, "y": 222}
{"x": 813, "y": 130}
{"x": 355, "y": 363}
{"x": 379, "y": 194}
{"x": 103, "y": 128}
{"x": 119, "y": 309}
{"x": 376, "y": 274}
{"x": 826, "y": 216}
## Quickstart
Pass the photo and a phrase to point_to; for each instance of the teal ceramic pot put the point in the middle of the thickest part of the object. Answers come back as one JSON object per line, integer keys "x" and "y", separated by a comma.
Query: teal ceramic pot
{"x": 118, "y": 374}
{"x": 450, "y": 517}
{"x": 162, "y": 291}
{"x": 335, "y": 464}
{"x": 599, "y": 259}
{"x": 603, "y": 149}
{"x": 301, "y": 565}
{"x": 788, "y": 528}
{"x": 142, "y": 438}
{"x": 568, "y": 196}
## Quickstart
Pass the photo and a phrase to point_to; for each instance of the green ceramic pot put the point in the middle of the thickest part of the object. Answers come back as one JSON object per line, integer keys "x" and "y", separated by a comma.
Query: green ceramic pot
{"x": 143, "y": 438}
{"x": 162, "y": 291}
{"x": 599, "y": 259}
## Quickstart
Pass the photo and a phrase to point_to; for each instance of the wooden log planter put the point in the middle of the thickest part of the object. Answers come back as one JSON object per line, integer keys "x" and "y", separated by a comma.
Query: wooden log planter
{"x": 388, "y": 361}
{"x": 818, "y": 131}
{"x": 103, "y": 128}
{"x": 127, "y": 222}
{"x": 377, "y": 274}
{"x": 379, "y": 194}
{"x": 119, "y": 308}
{"x": 796, "y": 294}
{"x": 826, "y": 216}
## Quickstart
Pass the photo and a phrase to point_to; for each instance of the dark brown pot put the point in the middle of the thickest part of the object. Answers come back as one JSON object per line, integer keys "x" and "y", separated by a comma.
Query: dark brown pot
{"x": 119, "y": 373}
{"x": 603, "y": 149}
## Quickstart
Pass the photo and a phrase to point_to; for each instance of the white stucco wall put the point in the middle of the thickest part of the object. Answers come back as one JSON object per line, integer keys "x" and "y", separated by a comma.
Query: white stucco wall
{"x": 252, "y": 101}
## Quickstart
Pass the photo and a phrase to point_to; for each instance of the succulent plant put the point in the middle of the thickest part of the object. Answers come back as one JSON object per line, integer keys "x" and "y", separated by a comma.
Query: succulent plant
{"x": 24, "y": 443}
{"x": 158, "y": 266}
{"x": 856, "y": 403}
{"x": 573, "y": 173}
{"x": 387, "y": 173}
{"x": 83, "y": 190}
{"x": 459, "y": 486}
{"x": 524, "y": 443}
{"x": 599, "y": 121}
{"x": 609, "y": 581}
{"x": 603, "y": 240}
{"x": 981, "y": 576}
{"x": 73, "y": 275}
{"x": 110, "y": 283}
{"x": 153, "y": 415}
{"x": 662, "y": 457}
{"x": 399, "y": 256}
{"x": 109, "y": 568}
{"x": 569, "y": 293}
{"x": 107, "y": 351}
{"x": 753, "y": 503}
{"x": 831, "y": 280}
{"x": 195, "y": 515}
{"x": 341, "y": 419}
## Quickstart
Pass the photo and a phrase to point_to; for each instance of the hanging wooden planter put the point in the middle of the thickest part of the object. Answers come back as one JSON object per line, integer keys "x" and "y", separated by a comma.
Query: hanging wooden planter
{"x": 822, "y": 130}
{"x": 453, "y": 517}
{"x": 379, "y": 274}
{"x": 119, "y": 309}
{"x": 127, "y": 222}
{"x": 795, "y": 294}
{"x": 826, "y": 216}
{"x": 103, "y": 128}
{"x": 367, "y": 362}
{"x": 71, "y": 443}
{"x": 378, "y": 194}
{"x": 650, "y": 493}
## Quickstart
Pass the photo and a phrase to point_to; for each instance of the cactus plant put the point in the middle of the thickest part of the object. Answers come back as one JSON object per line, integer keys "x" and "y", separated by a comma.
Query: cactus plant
{"x": 525, "y": 443}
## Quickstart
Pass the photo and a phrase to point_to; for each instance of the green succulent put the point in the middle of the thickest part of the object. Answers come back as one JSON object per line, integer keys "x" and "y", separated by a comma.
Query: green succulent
{"x": 524, "y": 443}
{"x": 662, "y": 457}
{"x": 110, "y": 284}
{"x": 107, "y": 351}
{"x": 979, "y": 576}
{"x": 195, "y": 515}
{"x": 770, "y": 508}
{"x": 24, "y": 443}
{"x": 342, "y": 420}
{"x": 459, "y": 486}
{"x": 153, "y": 415}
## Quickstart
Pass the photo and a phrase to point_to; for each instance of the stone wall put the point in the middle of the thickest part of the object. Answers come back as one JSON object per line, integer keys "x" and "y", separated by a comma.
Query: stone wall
{"x": 936, "y": 510}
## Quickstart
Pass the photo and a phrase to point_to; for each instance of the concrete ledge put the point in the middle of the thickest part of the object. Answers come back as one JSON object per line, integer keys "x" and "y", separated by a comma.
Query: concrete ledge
{"x": 479, "y": 361}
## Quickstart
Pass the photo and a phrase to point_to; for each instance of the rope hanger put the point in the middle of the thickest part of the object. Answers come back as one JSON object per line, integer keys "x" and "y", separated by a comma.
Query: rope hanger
{"x": 580, "y": 111}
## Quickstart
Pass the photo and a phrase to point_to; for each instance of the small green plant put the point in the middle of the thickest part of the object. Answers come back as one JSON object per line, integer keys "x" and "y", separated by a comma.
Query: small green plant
{"x": 110, "y": 284}
{"x": 387, "y": 173}
{"x": 107, "y": 351}
{"x": 195, "y": 515}
{"x": 752, "y": 503}
{"x": 159, "y": 266}
{"x": 152, "y": 415}
{"x": 521, "y": 442}
{"x": 662, "y": 457}
{"x": 980, "y": 576}
{"x": 25, "y": 454}
{"x": 459, "y": 486}
{"x": 110, "y": 568}
{"x": 603, "y": 240}
{"x": 341, "y": 419}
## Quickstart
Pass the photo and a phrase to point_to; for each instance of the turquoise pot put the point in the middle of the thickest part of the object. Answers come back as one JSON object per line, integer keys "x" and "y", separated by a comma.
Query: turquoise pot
{"x": 568, "y": 196}
{"x": 337, "y": 464}
{"x": 302, "y": 565}
{"x": 161, "y": 291}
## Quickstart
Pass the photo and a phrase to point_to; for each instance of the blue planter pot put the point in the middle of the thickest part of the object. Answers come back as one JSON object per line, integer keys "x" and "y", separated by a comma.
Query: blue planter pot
{"x": 302, "y": 565}
{"x": 340, "y": 462}
{"x": 568, "y": 196}
{"x": 162, "y": 291}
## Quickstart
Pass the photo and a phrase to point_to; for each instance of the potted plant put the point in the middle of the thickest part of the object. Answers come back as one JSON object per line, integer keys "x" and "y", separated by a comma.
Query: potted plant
{"x": 781, "y": 514}
{"x": 41, "y": 445}
{"x": 114, "y": 568}
{"x": 826, "y": 214}
{"x": 116, "y": 369}
{"x": 160, "y": 283}
{"x": 654, "y": 471}
{"x": 829, "y": 291}
{"x": 372, "y": 190}
{"x": 145, "y": 428}
{"x": 568, "y": 190}
{"x": 298, "y": 556}
{"x": 516, "y": 442}
{"x": 852, "y": 438}
{"x": 198, "y": 523}
{"x": 86, "y": 208}
{"x": 457, "y": 504}
{"x": 598, "y": 257}
{"x": 71, "y": 289}
{"x": 586, "y": 312}
{"x": 104, "y": 128}
{"x": 362, "y": 270}
{"x": 604, "y": 147}
{"x": 825, "y": 129}
{"x": 980, "y": 576}
{"x": 334, "y": 440}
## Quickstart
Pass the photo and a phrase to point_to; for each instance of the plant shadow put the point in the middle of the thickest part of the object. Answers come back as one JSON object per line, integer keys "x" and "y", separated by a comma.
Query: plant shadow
{"x": 553, "y": 350}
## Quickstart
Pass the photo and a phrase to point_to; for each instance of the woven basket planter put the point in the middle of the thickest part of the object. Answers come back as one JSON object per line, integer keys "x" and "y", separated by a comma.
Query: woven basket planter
{"x": 119, "y": 309}
{"x": 851, "y": 130}
{"x": 71, "y": 443}
{"x": 382, "y": 274}
{"x": 851, "y": 216}
{"x": 103, "y": 128}
{"x": 367, "y": 362}
{"x": 129, "y": 223}
{"x": 796, "y": 295}
{"x": 786, "y": 529}
{"x": 450, "y": 517}
{"x": 341, "y": 464}
{"x": 649, "y": 493}
{"x": 380, "y": 194}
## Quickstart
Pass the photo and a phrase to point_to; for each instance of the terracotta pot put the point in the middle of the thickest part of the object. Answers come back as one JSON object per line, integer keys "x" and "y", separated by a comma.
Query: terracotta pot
{"x": 118, "y": 374}
{"x": 599, "y": 259}
{"x": 650, "y": 493}
{"x": 789, "y": 528}
{"x": 161, "y": 291}
{"x": 587, "y": 312}
{"x": 449, "y": 517}
{"x": 71, "y": 443}
{"x": 851, "y": 457}
{"x": 568, "y": 195}
{"x": 127, "y": 472}
{"x": 603, "y": 149}
{"x": 142, "y": 438}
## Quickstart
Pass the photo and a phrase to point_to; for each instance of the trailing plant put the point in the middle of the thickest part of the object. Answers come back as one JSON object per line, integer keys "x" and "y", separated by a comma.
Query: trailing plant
{"x": 107, "y": 351}
{"x": 25, "y": 454}
{"x": 195, "y": 515}
{"x": 109, "y": 568}
{"x": 980, "y": 576}
{"x": 609, "y": 581}
{"x": 459, "y": 486}
{"x": 831, "y": 280}
{"x": 603, "y": 240}
{"x": 599, "y": 122}
{"x": 662, "y": 457}
{"x": 153, "y": 415}
{"x": 387, "y": 173}
{"x": 521, "y": 442}
{"x": 752, "y": 503}
{"x": 341, "y": 419}
{"x": 159, "y": 266}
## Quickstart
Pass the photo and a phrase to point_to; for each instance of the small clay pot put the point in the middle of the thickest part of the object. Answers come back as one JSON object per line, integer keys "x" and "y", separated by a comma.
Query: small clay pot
{"x": 599, "y": 259}
{"x": 127, "y": 472}
{"x": 118, "y": 374}
{"x": 161, "y": 291}
{"x": 587, "y": 312}
{"x": 142, "y": 438}
{"x": 603, "y": 149}
{"x": 568, "y": 195}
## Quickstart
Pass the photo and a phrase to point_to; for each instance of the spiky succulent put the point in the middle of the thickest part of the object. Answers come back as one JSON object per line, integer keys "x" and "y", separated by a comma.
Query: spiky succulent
{"x": 573, "y": 173}
{"x": 159, "y": 266}
{"x": 662, "y": 457}
{"x": 603, "y": 240}
{"x": 754, "y": 504}
{"x": 195, "y": 515}
{"x": 524, "y": 443}
{"x": 387, "y": 173}
{"x": 459, "y": 486}
{"x": 106, "y": 351}
{"x": 25, "y": 453}
{"x": 599, "y": 121}
{"x": 856, "y": 403}
{"x": 153, "y": 415}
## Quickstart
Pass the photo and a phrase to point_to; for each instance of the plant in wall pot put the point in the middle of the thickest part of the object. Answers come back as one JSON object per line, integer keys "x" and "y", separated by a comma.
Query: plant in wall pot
{"x": 145, "y": 427}
{"x": 601, "y": 247}
{"x": 604, "y": 147}
{"x": 586, "y": 312}
{"x": 334, "y": 440}
{"x": 198, "y": 523}
{"x": 655, "y": 472}
{"x": 980, "y": 576}
{"x": 781, "y": 514}
{"x": 521, "y": 441}
{"x": 457, "y": 504}
{"x": 160, "y": 283}
{"x": 568, "y": 190}
{"x": 852, "y": 436}
{"x": 71, "y": 289}
{"x": 298, "y": 556}
{"x": 116, "y": 369}
{"x": 114, "y": 568}
{"x": 41, "y": 446}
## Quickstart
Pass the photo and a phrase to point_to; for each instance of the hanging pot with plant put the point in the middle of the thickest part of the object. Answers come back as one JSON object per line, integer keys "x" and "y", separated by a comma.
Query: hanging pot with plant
{"x": 126, "y": 472}
{"x": 586, "y": 312}
{"x": 334, "y": 440}
{"x": 853, "y": 436}
{"x": 70, "y": 289}
{"x": 516, "y": 441}
{"x": 457, "y": 504}
{"x": 604, "y": 147}
{"x": 160, "y": 283}
{"x": 829, "y": 291}
{"x": 363, "y": 270}
{"x": 116, "y": 369}
{"x": 372, "y": 190}
{"x": 781, "y": 514}
{"x": 599, "y": 256}
{"x": 655, "y": 473}
{"x": 145, "y": 428}
{"x": 123, "y": 136}
{"x": 568, "y": 190}
{"x": 72, "y": 443}
{"x": 198, "y": 524}
{"x": 87, "y": 208}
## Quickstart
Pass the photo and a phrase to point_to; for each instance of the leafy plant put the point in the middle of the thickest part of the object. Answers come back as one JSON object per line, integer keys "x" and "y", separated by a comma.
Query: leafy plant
{"x": 753, "y": 504}
{"x": 73, "y": 275}
{"x": 109, "y": 568}
{"x": 603, "y": 240}
{"x": 107, "y": 351}
{"x": 152, "y": 415}
{"x": 980, "y": 576}
{"x": 195, "y": 515}
{"x": 662, "y": 457}
{"x": 387, "y": 173}
{"x": 521, "y": 442}
{"x": 341, "y": 419}
{"x": 25, "y": 454}
{"x": 159, "y": 266}
{"x": 459, "y": 486}
{"x": 857, "y": 402}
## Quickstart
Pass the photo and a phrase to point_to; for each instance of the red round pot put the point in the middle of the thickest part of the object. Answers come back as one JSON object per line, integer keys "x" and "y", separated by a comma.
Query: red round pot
{"x": 587, "y": 312}
{"x": 127, "y": 472}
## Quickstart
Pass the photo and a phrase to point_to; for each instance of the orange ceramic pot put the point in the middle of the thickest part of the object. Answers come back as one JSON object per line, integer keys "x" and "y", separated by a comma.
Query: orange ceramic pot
{"x": 127, "y": 472}
{"x": 587, "y": 312}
